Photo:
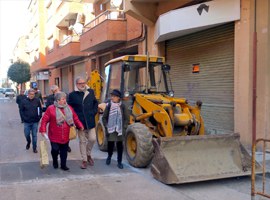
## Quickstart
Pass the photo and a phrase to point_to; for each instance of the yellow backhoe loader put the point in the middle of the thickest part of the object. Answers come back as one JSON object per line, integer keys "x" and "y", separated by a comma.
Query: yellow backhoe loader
{"x": 166, "y": 131}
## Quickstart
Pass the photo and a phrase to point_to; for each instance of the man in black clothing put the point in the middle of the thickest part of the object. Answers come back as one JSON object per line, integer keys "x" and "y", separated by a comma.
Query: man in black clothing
{"x": 38, "y": 95}
{"x": 50, "y": 99}
{"x": 19, "y": 100}
{"x": 85, "y": 105}
{"x": 31, "y": 114}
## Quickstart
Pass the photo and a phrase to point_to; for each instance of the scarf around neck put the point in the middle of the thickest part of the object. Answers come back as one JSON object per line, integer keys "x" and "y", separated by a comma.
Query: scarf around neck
{"x": 61, "y": 117}
{"x": 115, "y": 118}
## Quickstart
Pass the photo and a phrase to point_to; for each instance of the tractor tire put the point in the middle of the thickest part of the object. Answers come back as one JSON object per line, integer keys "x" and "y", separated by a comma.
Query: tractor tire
{"x": 101, "y": 137}
{"x": 138, "y": 145}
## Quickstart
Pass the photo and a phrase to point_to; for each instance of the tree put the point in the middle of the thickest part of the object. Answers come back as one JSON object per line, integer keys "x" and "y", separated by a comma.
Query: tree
{"x": 19, "y": 72}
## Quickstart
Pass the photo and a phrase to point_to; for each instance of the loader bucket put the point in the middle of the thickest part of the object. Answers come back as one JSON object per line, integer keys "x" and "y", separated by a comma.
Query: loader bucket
{"x": 185, "y": 159}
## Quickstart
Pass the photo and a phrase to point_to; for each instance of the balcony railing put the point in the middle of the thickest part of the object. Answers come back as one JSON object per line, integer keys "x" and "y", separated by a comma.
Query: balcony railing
{"x": 70, "y": 38}
{"x": 107, "y": 15}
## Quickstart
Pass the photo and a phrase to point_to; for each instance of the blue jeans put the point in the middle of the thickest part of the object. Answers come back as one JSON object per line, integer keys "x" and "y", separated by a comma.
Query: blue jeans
{"x": 31, "y": 128}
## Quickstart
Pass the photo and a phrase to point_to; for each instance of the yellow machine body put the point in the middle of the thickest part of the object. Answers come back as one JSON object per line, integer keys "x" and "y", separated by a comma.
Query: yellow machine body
{"x": 166, "y": 131}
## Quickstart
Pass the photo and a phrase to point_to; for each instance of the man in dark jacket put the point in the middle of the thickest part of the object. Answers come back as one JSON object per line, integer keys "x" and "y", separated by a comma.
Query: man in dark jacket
{"x": 38, "y": 95}
{"x": 85, "y": 105}
{"x": 31, "y": 114}
{"x": 50, "y": 98}
{"x": 19, "y": 100}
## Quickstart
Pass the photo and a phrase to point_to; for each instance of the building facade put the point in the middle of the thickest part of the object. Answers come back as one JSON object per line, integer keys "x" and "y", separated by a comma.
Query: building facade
{"x": 20, "y": 52}
{"x": 68, "y": 39}
{"x": 218, "y": 38}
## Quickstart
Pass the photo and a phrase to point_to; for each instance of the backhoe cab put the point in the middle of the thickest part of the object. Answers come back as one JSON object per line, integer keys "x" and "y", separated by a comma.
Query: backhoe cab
{"x": 165, "y": 130}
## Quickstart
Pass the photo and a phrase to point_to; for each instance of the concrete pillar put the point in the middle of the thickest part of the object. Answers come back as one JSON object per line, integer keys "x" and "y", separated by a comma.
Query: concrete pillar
{"x": 243, "y": 73}
{"x": 263, "y": 69}
{"x": 244, "y": 30}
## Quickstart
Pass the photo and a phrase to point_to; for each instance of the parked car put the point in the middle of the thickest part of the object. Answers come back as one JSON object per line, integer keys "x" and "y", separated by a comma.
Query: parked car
{"x": 2, "y": 90}
{"x": 9, "y": 92}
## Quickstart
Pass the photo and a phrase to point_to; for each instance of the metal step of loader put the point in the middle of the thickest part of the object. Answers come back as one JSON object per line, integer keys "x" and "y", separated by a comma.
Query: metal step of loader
{"x": 186, "y": 159}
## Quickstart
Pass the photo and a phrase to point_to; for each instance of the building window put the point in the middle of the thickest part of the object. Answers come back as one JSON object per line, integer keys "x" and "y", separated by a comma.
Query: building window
{"x": 57, "y": 81}
{"x": 50, "y": 43}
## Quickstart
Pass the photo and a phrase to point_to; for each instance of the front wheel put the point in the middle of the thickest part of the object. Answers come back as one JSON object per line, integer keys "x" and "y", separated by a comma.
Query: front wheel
{"x": 101, "y": 137}
{"x": 138, "y": 145}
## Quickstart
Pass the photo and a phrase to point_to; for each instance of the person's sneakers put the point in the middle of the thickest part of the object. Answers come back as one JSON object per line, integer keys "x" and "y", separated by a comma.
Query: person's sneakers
{"x": 120, "y": 166}
{"x": 69, "y": 149}
{"x": 35, "y": 151}
{"x": 65, "y": 168}
{"x": 90, "y": 160}
{"x": 27, "y": 146}
{"x": 84, "y": 165}
{"x": 108, "y": 161}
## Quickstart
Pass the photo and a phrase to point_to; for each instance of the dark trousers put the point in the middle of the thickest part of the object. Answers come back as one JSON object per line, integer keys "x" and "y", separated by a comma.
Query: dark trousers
{"x": 59, "y": 149}
{"x": 119, "y": 146}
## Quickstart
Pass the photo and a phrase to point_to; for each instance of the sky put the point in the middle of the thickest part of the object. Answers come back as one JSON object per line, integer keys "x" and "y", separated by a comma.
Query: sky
{"x": 13, "y": 24}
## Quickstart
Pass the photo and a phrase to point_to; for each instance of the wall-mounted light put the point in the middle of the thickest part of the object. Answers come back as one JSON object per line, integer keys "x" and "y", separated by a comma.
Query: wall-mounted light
{"x": 196, "y": 68}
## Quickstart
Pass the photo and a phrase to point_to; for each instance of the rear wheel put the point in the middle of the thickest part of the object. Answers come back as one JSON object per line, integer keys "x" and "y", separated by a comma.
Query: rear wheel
{"x": 138, "y": 145}
{"x": 101, "y": 137}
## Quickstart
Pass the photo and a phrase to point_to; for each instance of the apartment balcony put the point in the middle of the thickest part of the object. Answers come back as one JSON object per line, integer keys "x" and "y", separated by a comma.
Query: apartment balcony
{"x": 67, "y": 51}
{"x": 106, "y": 30}
{"x": 39, "y": 64}
{"x": 67, "y": 13}
{"x": 147, "y": 11}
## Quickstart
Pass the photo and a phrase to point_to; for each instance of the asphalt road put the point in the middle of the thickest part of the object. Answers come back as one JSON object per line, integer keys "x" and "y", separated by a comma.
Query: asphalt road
{"x": 21, "y": 178}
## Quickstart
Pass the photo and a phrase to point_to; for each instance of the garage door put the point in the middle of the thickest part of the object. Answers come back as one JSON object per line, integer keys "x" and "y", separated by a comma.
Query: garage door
{"x": 79, "y": 70}
{"x": 213, "y": 51}
{"x": 64, "y": 80}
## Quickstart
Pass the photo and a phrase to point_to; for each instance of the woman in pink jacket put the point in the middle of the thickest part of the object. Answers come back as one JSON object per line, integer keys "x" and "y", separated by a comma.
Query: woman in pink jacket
{"x": 60, "y": 117}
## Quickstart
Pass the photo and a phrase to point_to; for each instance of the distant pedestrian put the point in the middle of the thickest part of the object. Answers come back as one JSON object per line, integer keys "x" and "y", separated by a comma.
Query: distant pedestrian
{"x": 85, "y": 105}
{"x": 38, "y": 95}
{"x": 31, "y": 114}
{"x": 51, "y": 99}
{"x": 60, "y": 117}
{"x": 115, "y": 120}
{"x": 19, "y": 100}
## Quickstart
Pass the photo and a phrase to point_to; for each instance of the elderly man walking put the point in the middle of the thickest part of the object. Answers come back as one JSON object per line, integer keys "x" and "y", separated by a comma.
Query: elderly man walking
{"x": 85, "y": 105}
{"x": 31, "y": 114}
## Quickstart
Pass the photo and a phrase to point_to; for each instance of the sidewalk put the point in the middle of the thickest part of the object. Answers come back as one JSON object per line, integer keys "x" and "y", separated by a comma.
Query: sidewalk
{"x": 22, "y": 179}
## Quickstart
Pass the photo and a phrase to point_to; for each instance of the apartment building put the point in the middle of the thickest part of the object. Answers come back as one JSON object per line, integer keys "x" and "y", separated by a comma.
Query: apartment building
{"x": 68, "y": 39}
{"x": 36, "y": 45}
{"x": 216, "y": 37}
{"x": 20, "y": 52}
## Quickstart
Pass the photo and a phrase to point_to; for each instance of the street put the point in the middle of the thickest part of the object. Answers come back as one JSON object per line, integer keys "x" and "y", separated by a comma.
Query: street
{"x": 21, "y": 177}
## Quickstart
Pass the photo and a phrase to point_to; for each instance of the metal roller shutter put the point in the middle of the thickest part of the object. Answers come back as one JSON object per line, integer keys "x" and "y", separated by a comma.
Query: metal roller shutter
{"x": 46, "y": 87}
{"x": 103, "y": 60}
{"x": 213, "y": 49}
{"x": 64, "y": 80}
{"x": 79, "y": 70}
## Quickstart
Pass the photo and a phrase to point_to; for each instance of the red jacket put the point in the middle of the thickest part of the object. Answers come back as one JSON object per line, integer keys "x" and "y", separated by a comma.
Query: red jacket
{"x": 57, "y": 133}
